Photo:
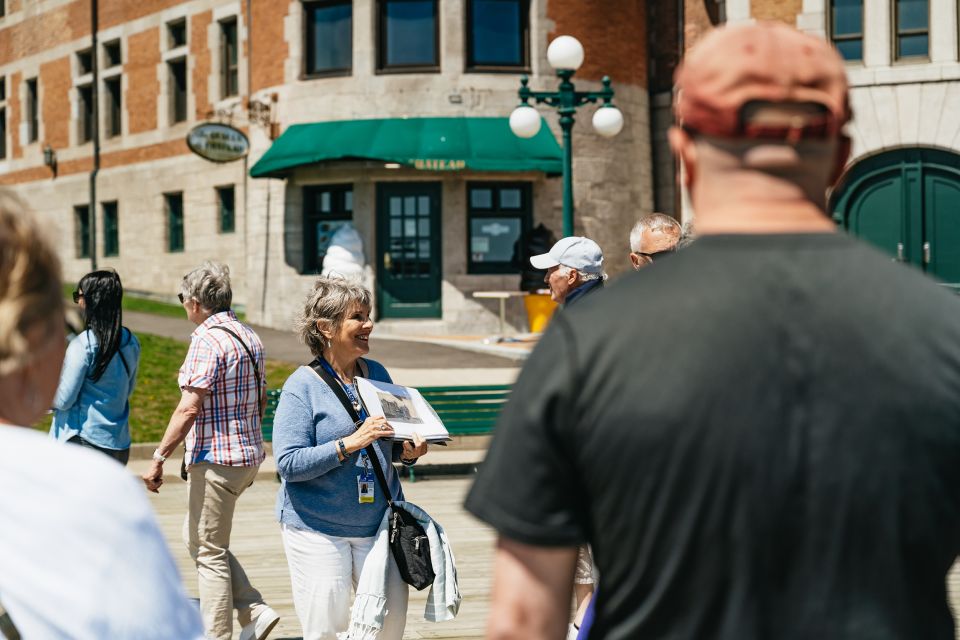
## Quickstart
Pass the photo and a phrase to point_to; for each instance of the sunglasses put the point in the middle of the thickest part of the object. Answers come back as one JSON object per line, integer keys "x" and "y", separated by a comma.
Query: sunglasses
{"x": 180, "y": 297}
{"x": 76, "y": 297}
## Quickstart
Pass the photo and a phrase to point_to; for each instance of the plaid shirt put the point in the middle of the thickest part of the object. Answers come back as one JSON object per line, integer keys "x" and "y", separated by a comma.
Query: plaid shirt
{"x": 227, "y": 430}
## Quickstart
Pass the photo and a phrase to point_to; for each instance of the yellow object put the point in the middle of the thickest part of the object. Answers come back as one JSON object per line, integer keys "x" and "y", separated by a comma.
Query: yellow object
{"x": 539, "y": 310}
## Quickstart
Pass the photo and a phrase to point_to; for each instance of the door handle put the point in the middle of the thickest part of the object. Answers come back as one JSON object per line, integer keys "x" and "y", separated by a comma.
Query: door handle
{"x": 387, "y": 261}
{"x": 926, "y": 253}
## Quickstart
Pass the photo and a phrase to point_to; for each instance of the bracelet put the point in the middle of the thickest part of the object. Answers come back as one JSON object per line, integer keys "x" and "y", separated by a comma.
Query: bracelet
{"x": 343, "y": 449}
{"x": 159, "y": 458}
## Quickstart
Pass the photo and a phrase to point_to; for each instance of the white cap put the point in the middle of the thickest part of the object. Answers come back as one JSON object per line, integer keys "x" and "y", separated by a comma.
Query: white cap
{"x": 582, "y": 254}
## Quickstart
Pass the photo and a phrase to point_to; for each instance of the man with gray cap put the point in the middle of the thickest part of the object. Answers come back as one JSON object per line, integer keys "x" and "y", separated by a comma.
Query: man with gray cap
{"x": 574, "y": 268}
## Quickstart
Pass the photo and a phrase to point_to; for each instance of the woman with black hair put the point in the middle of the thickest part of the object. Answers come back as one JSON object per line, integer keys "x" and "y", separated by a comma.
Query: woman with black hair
{"x": 92, "y": 405}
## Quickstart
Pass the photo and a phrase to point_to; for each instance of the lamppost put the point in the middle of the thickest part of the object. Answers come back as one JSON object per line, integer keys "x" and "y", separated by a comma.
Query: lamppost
{"x": 565, "y": 54}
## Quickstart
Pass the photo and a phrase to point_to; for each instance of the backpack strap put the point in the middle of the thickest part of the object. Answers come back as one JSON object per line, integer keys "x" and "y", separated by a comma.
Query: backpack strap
{"x": 253, "y": 361}
{"x": 8, "y": 630}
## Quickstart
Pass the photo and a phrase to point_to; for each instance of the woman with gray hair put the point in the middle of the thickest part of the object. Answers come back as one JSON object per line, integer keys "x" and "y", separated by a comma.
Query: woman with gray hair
{"x": 329, "y": 505}
{"x": 219, "y": 415}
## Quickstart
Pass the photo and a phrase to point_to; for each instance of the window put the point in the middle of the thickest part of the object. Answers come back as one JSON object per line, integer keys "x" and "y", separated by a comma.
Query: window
{"x": 178, "y": 90}
{"x": 912, "y": 29}
{"x": 84, "y": 62}
{"x": 81, "y": 216}
{"x": 229, "y": 71}
{"x": 33, "y": 111}
{"x": 325, "y": 209}
{"x": 114, "y": 106}
{"x": 846, "y": 28}
{"x": 3, "y": 8}
{"x": 329, "y": 31}
{"x": 409, "y": 38}
{"x": 174, "y": 205}
{"x": 85, "y": 114}
{"x": 177, "y": 34}
{"x": 227, "y": 208}
{"x": 111, "y": 229}
{"x": 3, "y": 116}
{"x": 111, "y": 54}
{"x": 497, "y": 34}
{"x": 499, "y": 220}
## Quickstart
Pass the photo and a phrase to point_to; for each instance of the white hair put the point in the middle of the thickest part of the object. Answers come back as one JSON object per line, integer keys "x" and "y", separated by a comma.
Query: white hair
{"x": 652, "y": 222}
{"x": 564, "y": 270}
{"x": 209, "y": 285}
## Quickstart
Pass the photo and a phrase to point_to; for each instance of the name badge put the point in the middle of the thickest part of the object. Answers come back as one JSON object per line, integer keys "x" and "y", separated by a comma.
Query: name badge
{"x": 365, "y": 490}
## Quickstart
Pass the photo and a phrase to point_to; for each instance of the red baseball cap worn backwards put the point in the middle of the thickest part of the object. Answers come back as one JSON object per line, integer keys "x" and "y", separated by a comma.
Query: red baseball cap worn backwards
{"x": 761, "y": 62}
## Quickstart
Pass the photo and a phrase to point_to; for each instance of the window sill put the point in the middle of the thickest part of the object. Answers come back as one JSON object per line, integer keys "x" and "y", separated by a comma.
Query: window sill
{"x": 389, "y": 71}
{"x": 333, "y": 73}
{"x": 504, "y": 70}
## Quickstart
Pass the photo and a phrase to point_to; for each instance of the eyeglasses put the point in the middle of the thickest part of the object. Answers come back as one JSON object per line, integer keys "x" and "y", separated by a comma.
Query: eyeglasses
{"x": 180, "y": 297}
{"x": 76, "y": 297}
{"x": 650, "y": 256}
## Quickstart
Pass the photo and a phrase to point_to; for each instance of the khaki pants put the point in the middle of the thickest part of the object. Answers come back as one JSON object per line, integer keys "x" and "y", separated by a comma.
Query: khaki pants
{"x": 212, "y": 491}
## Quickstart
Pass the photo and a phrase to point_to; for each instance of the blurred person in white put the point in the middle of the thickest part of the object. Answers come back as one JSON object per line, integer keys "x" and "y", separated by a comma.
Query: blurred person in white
{"x": 81, "y": 555}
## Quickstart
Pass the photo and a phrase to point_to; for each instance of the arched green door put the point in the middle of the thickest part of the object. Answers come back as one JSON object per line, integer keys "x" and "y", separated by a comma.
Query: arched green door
{"x": 906, "y": 202}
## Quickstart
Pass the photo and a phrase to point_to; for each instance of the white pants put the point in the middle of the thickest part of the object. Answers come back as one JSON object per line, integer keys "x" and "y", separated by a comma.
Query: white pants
{"x": 322, "y": 570}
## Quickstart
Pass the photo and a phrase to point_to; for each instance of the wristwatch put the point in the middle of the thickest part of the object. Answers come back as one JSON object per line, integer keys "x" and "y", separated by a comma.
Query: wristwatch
{"x": 157, "y": 457}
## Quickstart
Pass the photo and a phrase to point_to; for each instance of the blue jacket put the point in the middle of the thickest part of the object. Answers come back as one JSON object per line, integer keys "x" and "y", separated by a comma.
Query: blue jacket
{"x": 317, "y": 491}
{"x": 98, "y": 411}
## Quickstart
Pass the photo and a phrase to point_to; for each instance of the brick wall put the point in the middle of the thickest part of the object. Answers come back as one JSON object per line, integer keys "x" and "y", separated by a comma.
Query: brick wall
{"x": 37, "y": 33}
{"x": 613, "y": 35}
{"x": 14, "y": 114}
{"x": 200, "y": 52}
{"x": 782, "y": 10}
{"x": 697, "y": 21}
{"x": 269, "y": 44}
{"x": 143, "y": 87}
{"x": 55, "y": 102}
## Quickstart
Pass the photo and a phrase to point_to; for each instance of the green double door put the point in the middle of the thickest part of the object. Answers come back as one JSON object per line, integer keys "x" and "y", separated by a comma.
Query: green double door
{"x": 408, "y": 250}
{"x": 907, "y": 203}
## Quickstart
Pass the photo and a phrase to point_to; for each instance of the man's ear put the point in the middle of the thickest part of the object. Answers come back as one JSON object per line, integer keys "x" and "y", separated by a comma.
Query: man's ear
{"x": 684, "y": 148}
{"x": 840, "y": 160}
{"x": 573, "y": 277}
{"x": 634, "y": 260}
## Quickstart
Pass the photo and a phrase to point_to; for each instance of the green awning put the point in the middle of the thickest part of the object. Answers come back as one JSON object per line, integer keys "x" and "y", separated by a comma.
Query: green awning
{"x": 430, "y": 144}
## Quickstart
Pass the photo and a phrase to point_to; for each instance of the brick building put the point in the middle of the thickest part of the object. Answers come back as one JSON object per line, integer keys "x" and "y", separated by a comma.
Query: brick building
{"x": 901, "y": 188}
{"x": 361, "y": 79}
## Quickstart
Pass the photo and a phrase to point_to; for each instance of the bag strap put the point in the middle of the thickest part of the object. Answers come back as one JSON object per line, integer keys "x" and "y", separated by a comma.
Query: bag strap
{"x": 338, "y": 391}
{"x": 253, "y": 361}
{"x": 120, "y": 352}
{"x": 8, "y": 630}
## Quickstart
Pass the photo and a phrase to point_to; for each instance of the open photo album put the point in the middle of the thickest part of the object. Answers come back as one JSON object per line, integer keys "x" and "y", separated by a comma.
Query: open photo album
{"x": 404, "y": 408}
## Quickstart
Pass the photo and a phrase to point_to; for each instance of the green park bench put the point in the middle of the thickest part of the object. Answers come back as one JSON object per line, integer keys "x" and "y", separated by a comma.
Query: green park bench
{"x": 466, "y": 411}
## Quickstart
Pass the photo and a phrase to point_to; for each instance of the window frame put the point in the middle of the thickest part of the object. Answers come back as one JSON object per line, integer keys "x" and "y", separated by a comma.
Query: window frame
{"x": 81, "y": 231}
{"x": 847, "y": 37}
{"x": 3, "y": 116}
{"x": 310, "y": 193}
{"x": 524, "y": 213}
{"x": 111, "y": 230}
{"x": 381, "y": 40}
{"x": 32, "y": 112}
{"x": 173, "y": 93}
{"x": 108, "y": 49}
{"x": 173, "y": 247}
{"x": 472, "y": 67}
{"x": 229, "y": 74}
{"x": 176, "y": 24}
{"x": 308, "y": 41}
{"x": 896, "y": 34}
{"x": 114, "y": 111}
{"x": 220, "y": 190}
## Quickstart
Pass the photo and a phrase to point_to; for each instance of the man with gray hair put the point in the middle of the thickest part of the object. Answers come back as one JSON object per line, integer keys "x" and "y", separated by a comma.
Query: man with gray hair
{"x": 652, "y": 235}
{"x": 574, "y": 268}
{"x": 223, "y": 396}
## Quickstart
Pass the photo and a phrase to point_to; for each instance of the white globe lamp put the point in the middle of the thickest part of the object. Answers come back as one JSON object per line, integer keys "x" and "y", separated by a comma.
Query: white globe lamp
{"x": 525, "y": 121}
{"x": 608, "y": 121}
{"x": 565, "y": 52}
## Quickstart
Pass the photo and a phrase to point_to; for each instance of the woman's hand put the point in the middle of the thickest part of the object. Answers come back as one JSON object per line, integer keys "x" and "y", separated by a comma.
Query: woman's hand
{"x": 413, "y": 450}
{"x": 372, "y": 429}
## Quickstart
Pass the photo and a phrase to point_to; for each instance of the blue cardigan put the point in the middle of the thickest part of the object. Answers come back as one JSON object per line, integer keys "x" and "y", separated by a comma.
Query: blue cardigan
{"x": 317, "y": 491}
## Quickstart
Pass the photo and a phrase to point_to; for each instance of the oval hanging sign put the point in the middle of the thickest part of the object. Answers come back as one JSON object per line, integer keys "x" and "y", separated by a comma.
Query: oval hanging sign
{"x": 218, "y": 142}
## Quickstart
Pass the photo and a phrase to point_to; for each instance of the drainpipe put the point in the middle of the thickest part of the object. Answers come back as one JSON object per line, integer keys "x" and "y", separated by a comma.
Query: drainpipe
{"x": 246, "y": 172}
{"x": 92, "y": 211}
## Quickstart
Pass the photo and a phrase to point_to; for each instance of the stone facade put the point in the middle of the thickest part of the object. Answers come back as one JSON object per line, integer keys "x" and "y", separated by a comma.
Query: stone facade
{"x": 613, "y": 177}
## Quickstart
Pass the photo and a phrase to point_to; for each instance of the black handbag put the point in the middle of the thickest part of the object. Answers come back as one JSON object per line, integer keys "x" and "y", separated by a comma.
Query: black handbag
{"x": 408, "y": 540}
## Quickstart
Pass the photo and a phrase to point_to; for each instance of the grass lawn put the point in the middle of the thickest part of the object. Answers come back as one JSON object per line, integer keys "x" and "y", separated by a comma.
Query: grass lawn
{"x": 157, "y": 392}
{"x": 144, "y": 305}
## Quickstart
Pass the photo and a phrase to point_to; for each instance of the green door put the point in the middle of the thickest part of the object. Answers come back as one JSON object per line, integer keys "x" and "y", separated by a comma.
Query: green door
{"x": 408, "y": 250}
{"x": 906, "y": 202}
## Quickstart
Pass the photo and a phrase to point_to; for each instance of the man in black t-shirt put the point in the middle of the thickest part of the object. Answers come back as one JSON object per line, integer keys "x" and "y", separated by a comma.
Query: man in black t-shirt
{"x": 787, "y": 464}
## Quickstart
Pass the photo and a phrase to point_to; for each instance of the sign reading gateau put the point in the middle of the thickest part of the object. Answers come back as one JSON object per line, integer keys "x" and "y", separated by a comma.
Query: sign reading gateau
{"x": 218, "y": 142}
